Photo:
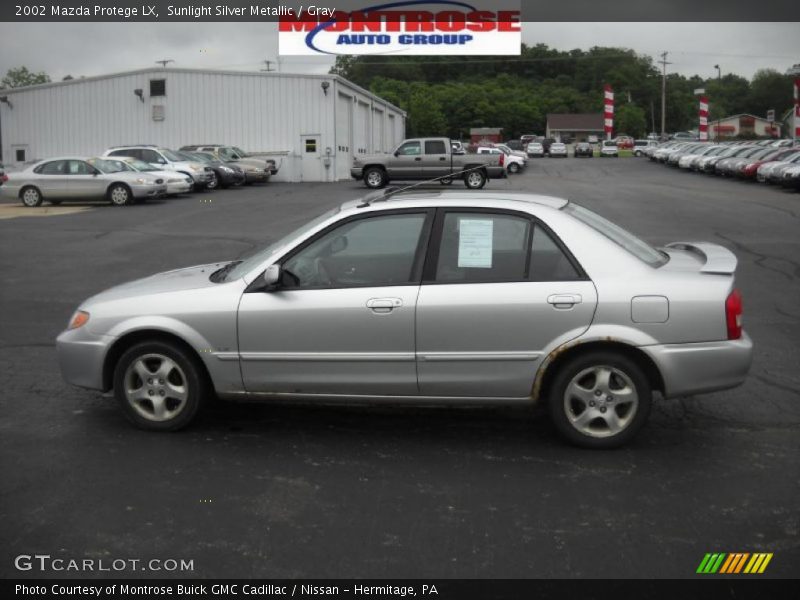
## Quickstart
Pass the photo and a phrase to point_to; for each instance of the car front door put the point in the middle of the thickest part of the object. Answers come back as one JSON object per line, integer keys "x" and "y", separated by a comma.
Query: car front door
{"x": 85, "y": 182}
{"x": 436, "y": 160}
{"x": 498, "y": 288}
{"x": 406, "y": 162}
{"x": 342, "y": 318}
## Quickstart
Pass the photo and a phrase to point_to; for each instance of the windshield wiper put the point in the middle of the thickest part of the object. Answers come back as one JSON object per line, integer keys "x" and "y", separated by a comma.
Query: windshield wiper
{"x": 219, "y": 275}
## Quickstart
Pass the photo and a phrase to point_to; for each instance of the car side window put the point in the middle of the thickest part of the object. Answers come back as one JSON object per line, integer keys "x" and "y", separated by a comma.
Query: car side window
{"x": 55, "y": 167}
{"x": 483, "y": 247}
{"x": 373, "y": 251}
{"x": 152, "y": 156}
{"x": 435, "y": 147}
{"x": 78, "y": 167}
{"x": 409, "y": 149}
{"x": 548, "y": 262}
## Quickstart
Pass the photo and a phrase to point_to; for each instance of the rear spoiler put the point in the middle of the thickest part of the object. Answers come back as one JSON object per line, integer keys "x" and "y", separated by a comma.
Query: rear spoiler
{"x": 717, "y": 259}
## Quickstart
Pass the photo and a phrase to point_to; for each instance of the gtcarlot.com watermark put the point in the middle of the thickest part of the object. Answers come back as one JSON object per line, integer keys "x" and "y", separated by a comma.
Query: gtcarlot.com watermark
{"x": 45, "y": 562}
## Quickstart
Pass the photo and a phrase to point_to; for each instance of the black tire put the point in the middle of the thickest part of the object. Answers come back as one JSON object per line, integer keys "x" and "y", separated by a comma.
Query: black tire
{"x": 475, "y": 180}
{"x": 581, "y": 370}
{"x": 446, "y": 181}
{"x": 213, "y": 183}
{"x": 187, "y": 375}
{"x": 513, "y": 168}
{"x": 120, "y": 194}
{"x": 30, "y": 196}
{"x": 375, "y": 178}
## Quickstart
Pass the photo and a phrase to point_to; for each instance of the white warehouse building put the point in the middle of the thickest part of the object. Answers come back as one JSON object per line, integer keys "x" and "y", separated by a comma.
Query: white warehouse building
{"x": 312, "y": 125}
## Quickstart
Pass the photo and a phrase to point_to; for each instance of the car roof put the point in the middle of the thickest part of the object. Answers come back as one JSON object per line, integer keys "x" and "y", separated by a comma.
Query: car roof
{"x": 419, "y": 197}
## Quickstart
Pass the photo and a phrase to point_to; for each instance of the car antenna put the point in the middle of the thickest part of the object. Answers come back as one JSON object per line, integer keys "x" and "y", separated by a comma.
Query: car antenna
{"x": 385, "y": 194}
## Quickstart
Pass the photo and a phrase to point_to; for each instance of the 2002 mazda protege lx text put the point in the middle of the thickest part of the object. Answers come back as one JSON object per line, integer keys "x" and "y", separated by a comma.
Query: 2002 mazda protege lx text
{"x": 427, "y": 297}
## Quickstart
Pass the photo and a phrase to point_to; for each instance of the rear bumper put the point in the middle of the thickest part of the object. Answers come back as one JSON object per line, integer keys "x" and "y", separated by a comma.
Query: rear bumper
{"x": 702, "y": 367}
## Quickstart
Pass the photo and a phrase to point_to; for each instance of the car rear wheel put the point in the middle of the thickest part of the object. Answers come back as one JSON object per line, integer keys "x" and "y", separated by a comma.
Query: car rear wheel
{"x": 513, "y": 168}
{"x": 119, "y": 195}
{"x": 375, "y": 178}
{"x": 475, "y": 180}
{"x": 158, "y": 386}
{"x": 31, "y": 197}
{"x": 600, "y": 400}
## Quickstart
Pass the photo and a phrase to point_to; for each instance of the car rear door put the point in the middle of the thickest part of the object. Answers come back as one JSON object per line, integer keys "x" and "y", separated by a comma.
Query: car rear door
{"x": 498, "y": 289}
{"x": 436, "y": 160}
{"x": 51, "y": 179}
{"x": 343, "y": 320}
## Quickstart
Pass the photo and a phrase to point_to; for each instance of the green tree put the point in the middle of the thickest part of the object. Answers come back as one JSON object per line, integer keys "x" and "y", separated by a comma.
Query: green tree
{"x": 769, "y": 89}
{"x": 21, "y": 77}
{"x": 630, "y": 119}
{"x": 425, "y": 112}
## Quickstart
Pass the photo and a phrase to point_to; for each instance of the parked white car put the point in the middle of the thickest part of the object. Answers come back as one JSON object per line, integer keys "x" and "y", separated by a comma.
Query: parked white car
{"x": 166, "y": 159}
{"x": 535, "y": 149}
{"x": 514, "y": 164}
{"x": 177, "y": 183}
{"x": 609, "y": 148}
{"x": 558, "y": 149}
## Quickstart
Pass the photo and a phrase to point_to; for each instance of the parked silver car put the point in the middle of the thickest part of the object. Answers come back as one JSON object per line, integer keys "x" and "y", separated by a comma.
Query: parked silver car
{"x": 166, "y": 159}
{"x": 177, "y": 183}
{"x": 80, "y": 178}
{"x": 427, "y": 297}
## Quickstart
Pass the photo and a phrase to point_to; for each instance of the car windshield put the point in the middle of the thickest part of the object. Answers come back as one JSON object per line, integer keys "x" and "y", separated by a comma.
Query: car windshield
{"x": 250, "y": 263}
{"x": 139, "y": 165}
{"x": 609, "y": 144}
{"x": 108, "y": 166}
{"x": 239, "y": 151}
{"x": 173, "y": 156}
{"x": 228, "y": 154}
{"x": 639, "y": 248}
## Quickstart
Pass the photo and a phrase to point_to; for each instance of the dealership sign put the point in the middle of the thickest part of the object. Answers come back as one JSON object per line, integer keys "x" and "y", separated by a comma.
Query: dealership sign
{"x": 413, "y": 27}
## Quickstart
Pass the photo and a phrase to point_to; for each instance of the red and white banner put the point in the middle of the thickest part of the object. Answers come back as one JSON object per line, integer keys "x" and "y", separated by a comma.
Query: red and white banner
{"x": 703, "y": 114}
{"x": 608, "y": 111}
{"x": 797, "y": 109}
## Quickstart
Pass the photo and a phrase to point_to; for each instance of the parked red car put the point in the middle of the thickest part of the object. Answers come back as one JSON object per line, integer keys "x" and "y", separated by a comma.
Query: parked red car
{"x": 624, "y": 142}
{"x": 750, "y": 170}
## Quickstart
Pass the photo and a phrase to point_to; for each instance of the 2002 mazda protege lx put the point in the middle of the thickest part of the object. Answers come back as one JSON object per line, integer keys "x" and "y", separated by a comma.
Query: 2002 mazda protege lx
{"x": 427, "y": 297}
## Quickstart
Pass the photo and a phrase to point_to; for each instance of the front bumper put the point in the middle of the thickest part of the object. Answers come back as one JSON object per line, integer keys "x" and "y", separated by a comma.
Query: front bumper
{"x": 148, "y": 191}
{"x": 179, "y": 187}
{"x": 702, "y": 367}
{"x": 81, "y": 355}
{"x": 256, "y": 176}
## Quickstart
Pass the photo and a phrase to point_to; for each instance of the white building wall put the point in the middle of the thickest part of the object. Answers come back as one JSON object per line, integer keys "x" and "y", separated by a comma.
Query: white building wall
{"x": 260, "y": 112}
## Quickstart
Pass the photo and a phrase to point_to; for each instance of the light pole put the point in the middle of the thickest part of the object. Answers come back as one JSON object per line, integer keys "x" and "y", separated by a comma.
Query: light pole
{"x": 719, "y": 73}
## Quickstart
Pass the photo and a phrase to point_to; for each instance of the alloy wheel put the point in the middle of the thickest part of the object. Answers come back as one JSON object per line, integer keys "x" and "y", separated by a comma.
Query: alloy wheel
{"x": 601, "y": 401}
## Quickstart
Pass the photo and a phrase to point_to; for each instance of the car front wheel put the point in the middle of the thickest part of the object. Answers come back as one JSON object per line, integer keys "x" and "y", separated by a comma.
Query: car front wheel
{"x": 375, "y": 178}
{"x": 213, "y": 183}
{"x": 119, "y": 195}
{"x": 158, "y": 386}
{"x": 513, "y": 168}
{"x": 600, "y": 400}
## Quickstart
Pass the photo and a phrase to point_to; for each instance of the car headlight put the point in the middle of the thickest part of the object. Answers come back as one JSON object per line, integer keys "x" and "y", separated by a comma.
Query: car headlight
{"x": 193, "y": 168}
{"x": 226, "y": 169}
{"x": 142, "y": 181}
{"x": 79, "y": 319}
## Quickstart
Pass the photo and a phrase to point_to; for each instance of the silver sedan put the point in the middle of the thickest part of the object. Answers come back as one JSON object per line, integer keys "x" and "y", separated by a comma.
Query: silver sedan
{"x": 79, "y": 178}
{"x": 427, "y": 298}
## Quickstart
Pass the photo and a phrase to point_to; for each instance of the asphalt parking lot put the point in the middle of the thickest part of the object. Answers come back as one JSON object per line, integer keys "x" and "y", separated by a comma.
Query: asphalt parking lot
{"x": 313, "y": 491}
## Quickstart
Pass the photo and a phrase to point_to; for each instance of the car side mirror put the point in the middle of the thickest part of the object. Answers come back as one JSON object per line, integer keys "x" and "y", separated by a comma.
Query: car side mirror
{"x": 272, "y": 277}
{"x": 396, "y": 153}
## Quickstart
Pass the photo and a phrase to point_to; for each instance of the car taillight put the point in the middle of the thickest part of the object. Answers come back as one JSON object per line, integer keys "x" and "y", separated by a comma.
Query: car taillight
{"x": 733, "y": 315}
{"x": 502, "y": 159}
{"x": 3, "y": 178}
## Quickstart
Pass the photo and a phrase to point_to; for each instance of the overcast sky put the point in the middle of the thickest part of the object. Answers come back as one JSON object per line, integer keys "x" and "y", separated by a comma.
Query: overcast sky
{"x": 97, "y": 48}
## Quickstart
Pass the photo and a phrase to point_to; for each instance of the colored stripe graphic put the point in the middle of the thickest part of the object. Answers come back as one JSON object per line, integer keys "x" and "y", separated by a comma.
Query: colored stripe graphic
{"x": 734, "y": 563}
{"x": 797, "y": 109}
{"x": 608, "y": 111}
{"x": 703, "y": 115}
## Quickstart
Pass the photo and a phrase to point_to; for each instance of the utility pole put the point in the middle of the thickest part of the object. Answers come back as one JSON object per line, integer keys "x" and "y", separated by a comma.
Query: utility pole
{"x": 664, "y": 64}
{"x": 268, "y": 64}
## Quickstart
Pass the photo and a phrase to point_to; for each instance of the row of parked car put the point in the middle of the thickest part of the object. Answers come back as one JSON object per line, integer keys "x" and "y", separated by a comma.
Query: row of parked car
{"x": 767, "y": 161}
{"x": 128, "y": 174}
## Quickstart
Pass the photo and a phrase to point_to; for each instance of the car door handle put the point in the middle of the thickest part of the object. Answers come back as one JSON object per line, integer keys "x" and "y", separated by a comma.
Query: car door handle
{"x": 384, "y": 305}
{"x": 562, "y": 301}
{"x": 418, "y": 158}
{"x": 442, "y": 158}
